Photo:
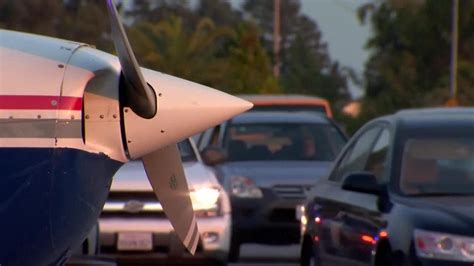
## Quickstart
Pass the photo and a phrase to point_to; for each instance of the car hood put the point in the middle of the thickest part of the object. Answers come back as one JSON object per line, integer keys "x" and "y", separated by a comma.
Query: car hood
{"x": 448, "y": 214}
{"x": 132, "y": 177}
{"x": 458, "y": 207}
{"x": 271, "y": 173}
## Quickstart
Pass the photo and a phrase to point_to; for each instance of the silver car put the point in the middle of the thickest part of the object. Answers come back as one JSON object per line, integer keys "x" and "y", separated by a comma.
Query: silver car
{"x": 133, "y": 225}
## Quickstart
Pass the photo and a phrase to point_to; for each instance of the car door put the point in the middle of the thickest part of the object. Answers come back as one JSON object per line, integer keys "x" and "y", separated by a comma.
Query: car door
{"x": 361, "y": 219}
{"x": 334, "y": 205}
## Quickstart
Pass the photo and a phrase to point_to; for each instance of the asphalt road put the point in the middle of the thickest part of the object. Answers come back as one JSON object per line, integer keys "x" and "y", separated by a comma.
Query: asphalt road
{"x": 260, "y": 255}
{"x": 251, "y": 255}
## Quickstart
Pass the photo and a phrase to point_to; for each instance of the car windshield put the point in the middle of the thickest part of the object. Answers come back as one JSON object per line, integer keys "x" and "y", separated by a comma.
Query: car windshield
{"x": 284, "y": 141}
{"x": 186, "y": 151}
{"x": 438, "y": 166}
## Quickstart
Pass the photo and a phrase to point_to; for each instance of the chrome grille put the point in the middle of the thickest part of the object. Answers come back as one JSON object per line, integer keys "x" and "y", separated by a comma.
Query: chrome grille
{"x": 131, "y": 203}
{"x": 290, "y": 191}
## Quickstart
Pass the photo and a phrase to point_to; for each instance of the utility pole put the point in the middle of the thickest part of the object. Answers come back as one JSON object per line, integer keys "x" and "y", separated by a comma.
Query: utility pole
{"x": 453, "y": 101}
{"x": 276, "y": 38}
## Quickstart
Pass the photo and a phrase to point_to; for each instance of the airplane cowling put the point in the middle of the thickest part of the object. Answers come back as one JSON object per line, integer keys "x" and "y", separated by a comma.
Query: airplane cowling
{"x": 97, "y": 75}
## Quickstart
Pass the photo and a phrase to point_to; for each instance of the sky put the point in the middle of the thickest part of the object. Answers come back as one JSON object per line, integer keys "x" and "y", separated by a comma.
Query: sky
{"x": 343, "y": 32}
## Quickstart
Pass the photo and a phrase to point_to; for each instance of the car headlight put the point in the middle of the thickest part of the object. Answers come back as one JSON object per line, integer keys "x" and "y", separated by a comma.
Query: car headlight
{"x": 205, "y": 199}
{"x": 244, "y": 187}
{"x": 443, "y": 246}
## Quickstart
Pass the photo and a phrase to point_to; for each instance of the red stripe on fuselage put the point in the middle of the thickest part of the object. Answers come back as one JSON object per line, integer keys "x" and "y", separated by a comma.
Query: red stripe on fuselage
{"x": 30, "y": 102}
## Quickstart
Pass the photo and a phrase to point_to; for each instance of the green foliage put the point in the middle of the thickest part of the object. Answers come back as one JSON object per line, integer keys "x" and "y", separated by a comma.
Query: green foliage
{"x": 79, "y": 20}
{"x": 249, "y": 69}
{"x": 410, "y": 54}
{"x": 189, "y": 44}
{"x": 167, "y": 47}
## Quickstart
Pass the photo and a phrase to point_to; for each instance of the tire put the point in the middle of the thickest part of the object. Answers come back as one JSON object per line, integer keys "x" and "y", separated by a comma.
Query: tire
{"x": 309, "y": 257}
{"x": 218, "y": 263}
{"x": 383, "y": 257}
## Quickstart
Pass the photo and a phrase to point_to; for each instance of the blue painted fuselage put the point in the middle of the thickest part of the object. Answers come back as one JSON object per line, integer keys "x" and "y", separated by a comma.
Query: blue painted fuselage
{"x": 49, "y": 200}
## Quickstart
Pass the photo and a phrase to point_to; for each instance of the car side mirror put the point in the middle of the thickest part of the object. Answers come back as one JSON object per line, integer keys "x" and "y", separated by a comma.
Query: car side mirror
{"x": 363, "y": 182}
{"x": 213, "y": 155}
{"x": 367, "y": 183}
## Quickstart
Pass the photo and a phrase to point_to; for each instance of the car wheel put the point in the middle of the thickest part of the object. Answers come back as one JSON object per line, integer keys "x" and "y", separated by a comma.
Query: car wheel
{"x": 218, "y": 263}
{"x": 309, "y": 257}
{"x": 384, "y": 256}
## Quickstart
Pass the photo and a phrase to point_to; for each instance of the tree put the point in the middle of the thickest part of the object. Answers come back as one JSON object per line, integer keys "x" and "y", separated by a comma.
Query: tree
{"x": 17, "y": 15}
{"x": 167, "y": 47}
{"x": 154, "y": 11}
{"x": 78, "y": 20}
{"x": 410, "y": 54}
{"x": 212, "y": 55}
{"x": 220, "y": 11}
{"x": 249, "y": 68}
{"x": 305, "y": 63}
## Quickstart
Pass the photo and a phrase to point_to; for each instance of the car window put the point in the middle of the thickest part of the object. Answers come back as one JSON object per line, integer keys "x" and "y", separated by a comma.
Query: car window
{"x": 282, "y": 141}
{"x": 438, "y": 166}
{"x": 186, "y": 151}
{"x": 207, "y": 138}
{"x": 377, "y": 159}
{"x": 215, "y": 136}
{"x": 355, "y": 158}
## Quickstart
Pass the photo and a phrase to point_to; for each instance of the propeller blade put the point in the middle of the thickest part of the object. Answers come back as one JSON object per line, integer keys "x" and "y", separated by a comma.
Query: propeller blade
{"x": 136, "y": 93}
{"x": 165, "y": 172}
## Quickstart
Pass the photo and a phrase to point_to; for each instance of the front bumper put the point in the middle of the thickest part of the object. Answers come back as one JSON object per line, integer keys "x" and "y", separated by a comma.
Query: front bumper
{"x": 214, "y": 242}
{"x": 268, "y": 220}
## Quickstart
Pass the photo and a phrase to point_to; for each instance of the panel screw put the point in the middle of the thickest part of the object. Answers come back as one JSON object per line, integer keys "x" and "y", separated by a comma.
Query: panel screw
{"x": 54, "y": 102}
{"x": 101, "y": 116}
{"x": 114, "y": 116}
{"x": 61, "y": 66}
{"x": 39, "y": 116}
{"x": 72, "y": 117}
{"x": 87, "y": 116}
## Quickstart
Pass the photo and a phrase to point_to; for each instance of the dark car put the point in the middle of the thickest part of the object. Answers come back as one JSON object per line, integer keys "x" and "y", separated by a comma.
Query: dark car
{"x": 272, "y": 159}
{"x": 400, "y": 193}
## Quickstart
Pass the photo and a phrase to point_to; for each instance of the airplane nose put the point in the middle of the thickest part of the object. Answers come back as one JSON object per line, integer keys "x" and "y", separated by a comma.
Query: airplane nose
{"x": 184, "y": 109}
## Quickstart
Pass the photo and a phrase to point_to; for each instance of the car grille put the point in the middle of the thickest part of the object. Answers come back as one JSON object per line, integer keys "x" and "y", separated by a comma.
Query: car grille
{"x": 132, "y": 195}
{"x": 283, "y": 216}
{"x": 290, "y": 191}
{"x": 132, "y": 204}
{"x": 123, "y": 214}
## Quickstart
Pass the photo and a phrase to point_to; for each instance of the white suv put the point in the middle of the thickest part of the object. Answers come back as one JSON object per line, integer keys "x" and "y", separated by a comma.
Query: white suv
{"x": 133, "y": 225}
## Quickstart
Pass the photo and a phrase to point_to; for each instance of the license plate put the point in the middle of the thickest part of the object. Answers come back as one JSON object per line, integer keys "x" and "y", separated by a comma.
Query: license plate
{"x": 135, "y": 241}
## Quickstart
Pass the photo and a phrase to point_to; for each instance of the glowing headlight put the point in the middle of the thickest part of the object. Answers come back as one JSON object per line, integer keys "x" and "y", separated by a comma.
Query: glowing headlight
{"x": 442, "y": 246}
{"x": 205, "y": 199}
{"x": 244, "y": 187}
